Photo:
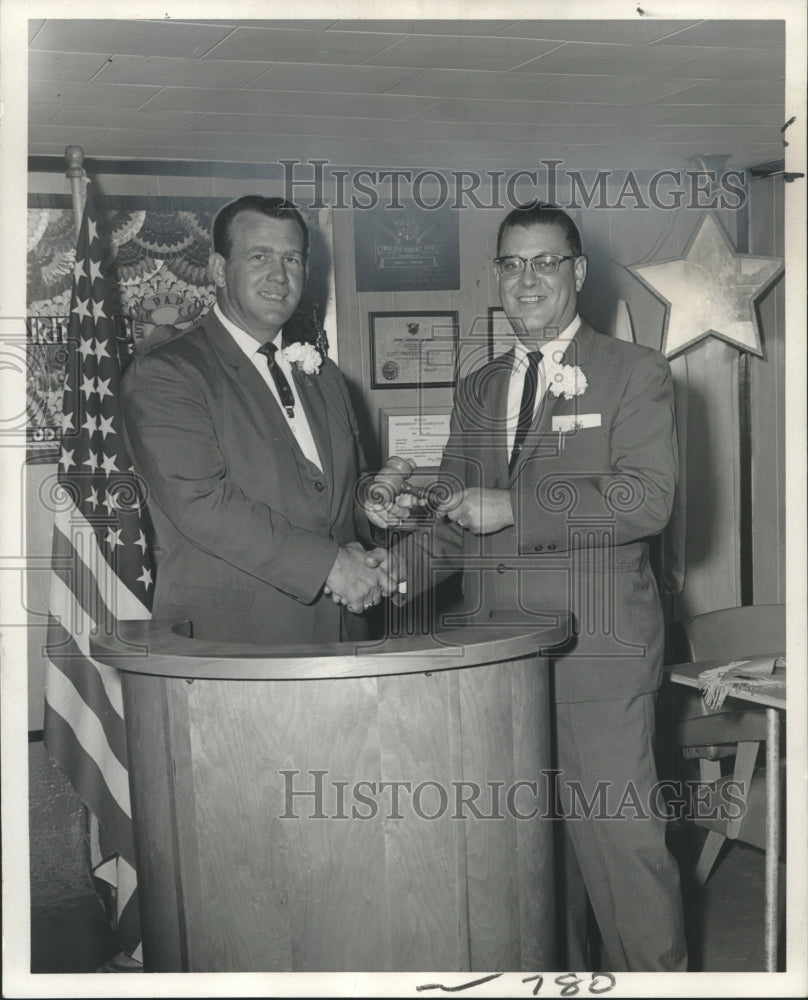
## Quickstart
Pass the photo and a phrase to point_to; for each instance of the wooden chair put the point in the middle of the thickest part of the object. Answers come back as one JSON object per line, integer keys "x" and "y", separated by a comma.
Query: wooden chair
{"x": 728, "y": 634}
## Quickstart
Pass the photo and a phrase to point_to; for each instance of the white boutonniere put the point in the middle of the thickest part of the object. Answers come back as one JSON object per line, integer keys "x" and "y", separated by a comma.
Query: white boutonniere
{"x": 305, "y": 356}
{"x": 567, "y": 381}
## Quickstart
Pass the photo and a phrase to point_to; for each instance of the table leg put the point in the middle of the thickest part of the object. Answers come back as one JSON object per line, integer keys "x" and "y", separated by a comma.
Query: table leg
{"x": 772, "y": 835}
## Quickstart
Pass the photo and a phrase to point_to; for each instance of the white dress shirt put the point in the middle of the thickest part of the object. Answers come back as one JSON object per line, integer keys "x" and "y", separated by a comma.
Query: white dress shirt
{"x": 553, "y": 349}
{"x": 299, "y": 423}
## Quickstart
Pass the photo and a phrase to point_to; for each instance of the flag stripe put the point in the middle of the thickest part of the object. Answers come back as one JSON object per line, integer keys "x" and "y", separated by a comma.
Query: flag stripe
{"x": 81, "y": 627}
{"x": 86, "y": 777}
{"x": 95, "y": 681}
{"x": 66, "y": 701}
{"x": 79, "y": 582}
{"x": 112, "y": 589}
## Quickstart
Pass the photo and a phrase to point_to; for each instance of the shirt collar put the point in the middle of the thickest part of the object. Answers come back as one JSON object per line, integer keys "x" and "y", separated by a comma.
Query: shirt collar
{"x": 558, "y": 343}
{"x": 249, "y": 345}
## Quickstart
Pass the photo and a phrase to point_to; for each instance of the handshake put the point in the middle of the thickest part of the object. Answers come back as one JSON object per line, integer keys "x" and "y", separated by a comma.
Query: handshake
{"x": 360, "y": 578}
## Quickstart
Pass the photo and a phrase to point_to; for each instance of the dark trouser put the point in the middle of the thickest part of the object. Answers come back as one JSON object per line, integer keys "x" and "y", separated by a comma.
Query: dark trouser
{"x": 623, "y": 865}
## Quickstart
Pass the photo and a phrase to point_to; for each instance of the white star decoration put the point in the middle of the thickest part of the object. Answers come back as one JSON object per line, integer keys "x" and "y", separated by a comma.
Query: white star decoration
{"x": 105, "y": 426}
{"x": 711, "y": 291}
{"x": 114, "y": 536}
{"x": 81, "y": 309}
{"x": 145, "y": 577}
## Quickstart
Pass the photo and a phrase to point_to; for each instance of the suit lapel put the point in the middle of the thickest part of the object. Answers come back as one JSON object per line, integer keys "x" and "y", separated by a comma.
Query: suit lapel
{"x": 577, "y": 353}
{"x": 495, "y": 418}
{"x": 311, "y": 399}
{"x": 239, "y": 367}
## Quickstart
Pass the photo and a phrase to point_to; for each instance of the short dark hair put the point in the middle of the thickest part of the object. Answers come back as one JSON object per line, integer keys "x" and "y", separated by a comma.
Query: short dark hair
{"x": 533, "y": 213}
{"x": 273, "y": 208}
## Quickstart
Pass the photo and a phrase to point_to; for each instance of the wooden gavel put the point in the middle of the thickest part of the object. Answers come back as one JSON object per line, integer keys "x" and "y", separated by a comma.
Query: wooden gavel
{"x": 392, "y": 480}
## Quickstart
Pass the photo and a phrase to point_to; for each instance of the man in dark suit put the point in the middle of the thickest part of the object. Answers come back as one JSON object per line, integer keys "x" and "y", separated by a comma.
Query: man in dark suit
{"x": 562, "y": 455}
{"x": 250, "y": 453}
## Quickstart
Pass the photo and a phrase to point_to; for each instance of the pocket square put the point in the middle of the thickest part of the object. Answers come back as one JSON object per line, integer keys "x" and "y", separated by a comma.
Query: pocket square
{"x": 575, "y": 421}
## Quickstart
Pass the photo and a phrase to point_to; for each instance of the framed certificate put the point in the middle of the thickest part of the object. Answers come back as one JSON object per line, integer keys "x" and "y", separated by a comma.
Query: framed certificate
{"x": 409, "y": 350}
{"x": 419, "y": 434}
{"x": 500, "y": 332}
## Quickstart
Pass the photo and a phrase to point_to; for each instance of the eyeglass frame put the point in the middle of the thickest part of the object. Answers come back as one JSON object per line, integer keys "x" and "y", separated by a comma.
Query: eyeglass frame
{"x": 559, "y": 260}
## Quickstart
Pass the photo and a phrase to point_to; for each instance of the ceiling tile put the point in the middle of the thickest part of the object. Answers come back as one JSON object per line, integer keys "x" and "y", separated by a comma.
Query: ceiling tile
{"x": 636, "y": 32}
{"x": 90, "y": 94}
{"x": 474, "y": 84}
{"x": 167, "y": 71}
{"x": 331, "y": 79}
{"x": 306, "y": 25}
{"x": 234, "y": 102}
{"x": 625, "y": 90}
{"x": 461, "y": 52}
{"x": 714, "y": 114}
{"x": 560, "y": 133}
{"x": 120, "y": 118}
{"x": 294, "y": 45}
{"x": 457, "y": 26}
{"x": 739, "y": 92}
{"x": 391, "y": 106}
{"x": 730, "y": 64}
{"x": 41, "y": 114}
{"x": 157, "y": 38}
{"x": 75, "y": 67}
{"x": 609, "y": 59}
{"x": 769, "y": 34}
{"x": 527, "y": 111}
{"x": 65, "y": 135}
{"x": 342, "y": 127}
{"x": 713, "y": 136}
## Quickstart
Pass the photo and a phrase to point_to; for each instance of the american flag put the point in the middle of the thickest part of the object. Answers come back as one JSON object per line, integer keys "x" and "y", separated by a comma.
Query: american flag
{"x": 102, "y": 571}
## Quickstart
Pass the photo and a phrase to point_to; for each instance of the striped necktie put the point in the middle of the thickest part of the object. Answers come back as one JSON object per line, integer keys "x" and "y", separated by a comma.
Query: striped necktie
{"x": 281, "y": 384}
{"x": 526, "y": 407}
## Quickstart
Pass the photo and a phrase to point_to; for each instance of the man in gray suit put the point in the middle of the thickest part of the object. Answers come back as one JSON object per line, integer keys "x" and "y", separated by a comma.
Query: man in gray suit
{"x": 250, "y": 452}
{"x": 562, "y": 454}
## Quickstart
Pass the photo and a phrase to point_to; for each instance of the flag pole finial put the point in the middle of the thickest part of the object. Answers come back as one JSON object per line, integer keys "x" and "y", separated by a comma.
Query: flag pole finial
{"x": 74, "y": 157}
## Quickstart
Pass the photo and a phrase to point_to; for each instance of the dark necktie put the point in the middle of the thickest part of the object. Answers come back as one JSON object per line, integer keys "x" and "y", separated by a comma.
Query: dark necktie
{"x": 281, "y": 384}
{"x": 526, "y": 407}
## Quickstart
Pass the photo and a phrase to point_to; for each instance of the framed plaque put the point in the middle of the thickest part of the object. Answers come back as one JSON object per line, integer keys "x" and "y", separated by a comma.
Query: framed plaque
{"x": 410, "y": 350}
{"x": 410, "y": 248}
{"x": 419, "y": 434}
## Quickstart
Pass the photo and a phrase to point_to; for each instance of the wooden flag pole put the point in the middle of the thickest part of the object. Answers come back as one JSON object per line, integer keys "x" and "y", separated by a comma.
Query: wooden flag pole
{"x": 74, "y": 157}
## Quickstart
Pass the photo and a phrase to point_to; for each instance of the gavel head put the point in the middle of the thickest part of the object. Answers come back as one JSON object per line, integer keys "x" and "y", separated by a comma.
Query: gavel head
{"x": 390, "y": 480}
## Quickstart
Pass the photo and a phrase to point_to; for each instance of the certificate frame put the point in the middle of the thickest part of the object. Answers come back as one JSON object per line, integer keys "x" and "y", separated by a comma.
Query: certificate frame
{"x": 500, "y": 332}
{"x": 399, "y": 358}
{"x": 419, "y": 423}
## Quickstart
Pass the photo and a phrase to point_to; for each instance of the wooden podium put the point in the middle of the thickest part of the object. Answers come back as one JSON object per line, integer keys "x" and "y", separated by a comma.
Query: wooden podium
{"x": 370, "y": 807}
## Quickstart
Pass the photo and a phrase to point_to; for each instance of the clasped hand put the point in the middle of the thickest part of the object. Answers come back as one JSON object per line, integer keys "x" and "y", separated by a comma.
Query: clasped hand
{"x": 359, "y": 579}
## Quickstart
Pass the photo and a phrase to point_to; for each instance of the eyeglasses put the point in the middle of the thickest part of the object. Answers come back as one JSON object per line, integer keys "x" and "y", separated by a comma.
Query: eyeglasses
{"x": 543, "y": 264}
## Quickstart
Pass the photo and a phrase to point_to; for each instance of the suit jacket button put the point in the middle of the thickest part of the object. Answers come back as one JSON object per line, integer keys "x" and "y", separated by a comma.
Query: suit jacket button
{"x": 538, "y": 548}
{"x": 319, "y": 486}
{"x": 501, "y": 568}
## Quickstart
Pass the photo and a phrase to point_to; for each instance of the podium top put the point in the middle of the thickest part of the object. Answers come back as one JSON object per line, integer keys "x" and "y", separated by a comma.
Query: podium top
{"x": 164, "y": 648}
